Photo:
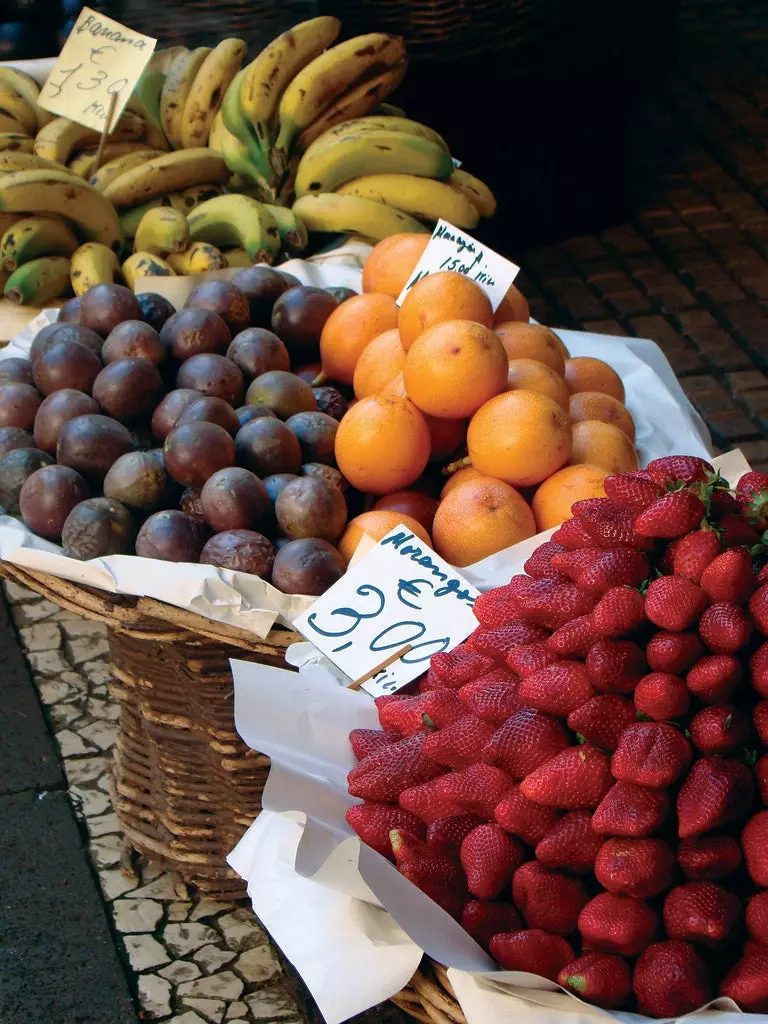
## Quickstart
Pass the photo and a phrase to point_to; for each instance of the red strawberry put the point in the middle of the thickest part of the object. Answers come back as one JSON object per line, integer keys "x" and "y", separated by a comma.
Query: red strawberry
{"x": 661, "y": 696}
{"x": 496, "y": 607}
{"x": 754, "y": 843}
{"x": 701, "y": 912}
{"x": 714, "y": 678}
{"x": 752, "y": 495}
{"x": 757, "y": 918}
{"x": 367, "y": 741}
{"x": 706, "y": 857}
{"x": 533, "y": 951}
{"x": 429, "y": 682}
{"x": 447, "y": 834}
{"x": 615, "y": 666}
{"x": 600, "y": 978}
{"x": 674, "y": 603}
{"x": 540, "y": 565}
{"x": 725, "y": 628}
{"x": 630, "y": 811}
{"x": 617, "y": 924}
{"x": 762, "y": 576}
{"x": 573, "y": 563}
{"x": 574, "y": 639}
{"x": 619, "y": 611}
{"x": 694, "y": 553}
{"x": 490, "y": 858}
{"x": 572, "y": 536}
{"x": 651, "y": 754}
{"x": 576, "y": 778}
{"x": 672, "y": 516}
{"x": 672, "y": 469}
{"x": 527, "y": 739}
{"x": 610, "y": 525}
{"x": 721, "y": 501}
{"x": 523, "y": 818}
{"x": 596, "y": 570}
{"x": 571, "y": 844}
{"x": 721, "y": 729}
{"x": 729, "y": 577}
{"x": 758, "y": 670}
{"x": 435, "y": 874}
{"x": 557, "y": 689}
{"x": 635, "y": 491}
{"x": 673, "y": 652}
{"x": 458, "y": 744}
{"x": 548, "y": 899}
{"x": 635, "y": 867}
{"x": 496, "y": 642}
{"x": 761, "y": 775}
{"x": 735, "y": 532}
{"x": 483, "y": 920}
{"x": 530, "y": 658}
{"x": 670, "y": 980}
{"x": 428, "y": 803}
{"x": 374, "y": 822}
{"x": 550, "y": 605}
{"x": 406, "y": 715}
{"x": 493, "y": 697}
{"x": 758, "y": 609}
{"x": 715, "y": 793}
{"x": 476, "y": 789}
{"x": 459, "y": 666}
{"x": 383, "y": 775}
{"x": 603, "y": 719}
{"x": 760, "y": 720}
{"x": 747, "y": 982}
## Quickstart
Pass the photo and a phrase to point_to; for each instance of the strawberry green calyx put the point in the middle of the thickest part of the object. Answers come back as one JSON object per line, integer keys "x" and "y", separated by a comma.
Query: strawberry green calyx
{"x": 575, "y": 981}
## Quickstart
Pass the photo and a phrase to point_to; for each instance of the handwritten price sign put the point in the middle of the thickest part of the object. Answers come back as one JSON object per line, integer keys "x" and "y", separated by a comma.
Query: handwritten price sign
{"x": 100, "y": 58}
{"x": 400, "y": 594}
{"x": 451, "y": 248}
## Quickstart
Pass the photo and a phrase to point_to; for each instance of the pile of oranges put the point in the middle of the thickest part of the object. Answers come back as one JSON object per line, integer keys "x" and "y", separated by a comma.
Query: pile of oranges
{"x": 520, "y": 429}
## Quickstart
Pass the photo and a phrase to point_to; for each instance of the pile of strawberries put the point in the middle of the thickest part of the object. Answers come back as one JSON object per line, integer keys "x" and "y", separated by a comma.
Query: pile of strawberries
{"x": 581, "y": 782}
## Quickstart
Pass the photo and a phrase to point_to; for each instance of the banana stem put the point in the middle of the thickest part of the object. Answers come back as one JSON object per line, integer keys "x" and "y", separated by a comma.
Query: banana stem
{"x": 453, "y": 467}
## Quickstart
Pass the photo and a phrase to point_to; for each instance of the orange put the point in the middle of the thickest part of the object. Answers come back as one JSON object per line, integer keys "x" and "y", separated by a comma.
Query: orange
{"x": 520, "y": 437}
{"x": 594, "y": 405}
{"x": 382, "y": 444}
{"x": 392, "y": 262}
{"x": 587, "y": 374}
{"x": 380, "y": 361}
{"x": 440, "y": 297}
{"x": 514, "y": 306}
{"x": 349, "y": 329}
{"x": 445, "y": 436}
{"x": 459, "y": 477}
{"x": 376, "y": 524}
{"x": 453, "y": 368}
{"x": 478, "y": 518}
{"x": 532, "y": 341}
{"x": 416, "y": 504}
{"x": 552, "y": 501}
{"x": 603, "y": 444}
{"x": 531, "y": 375}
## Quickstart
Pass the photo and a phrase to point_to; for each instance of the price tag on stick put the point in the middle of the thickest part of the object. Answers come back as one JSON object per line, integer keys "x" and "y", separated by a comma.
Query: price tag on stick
{"x": 450, "y": 248}
{"x": 100, "y": 59}
{"x": 401, "y": 600}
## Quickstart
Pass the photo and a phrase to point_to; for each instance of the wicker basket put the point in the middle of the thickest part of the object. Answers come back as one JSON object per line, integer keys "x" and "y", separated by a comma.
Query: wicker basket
{"x": 428, "y": 996}
{"x": 186, "y": 787}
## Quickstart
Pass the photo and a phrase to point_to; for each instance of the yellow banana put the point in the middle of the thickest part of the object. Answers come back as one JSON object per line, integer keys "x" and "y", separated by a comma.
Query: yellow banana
{"x": 179, "y": 77}
{"x": 475, "y": 190}
{"x": 199, "y": 258}
{"x": 59, "y": 139}
{"x": 14, "y": 160}
{"x": 237, "y": 220}
{"x": 15, "y": 105}
{"x": 423, "y": 198}
{"x": 33, "y": 237}
{"x": 130, "y": 219}
{"x": 351, "y": 215}
{"x": 207, "y": 92}
{"x": 91, "y": 264}
{"x": 276, "y": 66}
{"x": 293, "y": 232}
{"x": 190, "y": 198}
{"x": 27, "y": 87}
{"x": 144, "y": 264}
{"x": 84, "y": 162}
{"x": 161, "y": 60}
{"x": 167, "y": 173}
{"x": 162, "y": 231}
{"x": 38, "y": 281}
{"x": 11, "y": 124}
{"x": 119, "y": 164}
{"x": 381, "y": 122}
{"x": 324, "y": 167}
{"x": 328, "y": 76}
{"x": 390, "y": 110}
{"x": 7, "y": 220}
{"x": 237, "y": 258}
{"x": 14, "y": 141}
{"x": 356, "y": 102}
{"x": 44, "y": 191}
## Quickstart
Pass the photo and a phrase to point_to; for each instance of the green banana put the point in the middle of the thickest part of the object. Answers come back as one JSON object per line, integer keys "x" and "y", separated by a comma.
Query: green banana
{"x": 239, "y": 127}
{"x": 33, "y": 237}
{"x": 145, "y": 100}
{"x": 351, "y": 215}
{"x": 237, "y": 220}
{"x": 293, "y": 231}
{"x": 130, "y": 219}
{"x": 92, "y": 264}
{"x": 38, "y": 281}
{"x": 162, "y": 231}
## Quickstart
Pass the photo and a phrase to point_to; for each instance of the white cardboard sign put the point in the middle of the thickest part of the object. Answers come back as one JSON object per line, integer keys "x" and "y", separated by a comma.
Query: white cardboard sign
{"x": 401, "y": 593}
{"x": 450, "y": 248}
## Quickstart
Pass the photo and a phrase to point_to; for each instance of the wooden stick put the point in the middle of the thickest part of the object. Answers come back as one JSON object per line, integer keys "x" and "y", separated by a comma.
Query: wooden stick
{"x": 105, "y": 134}
{"x": 385, "y": 664}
